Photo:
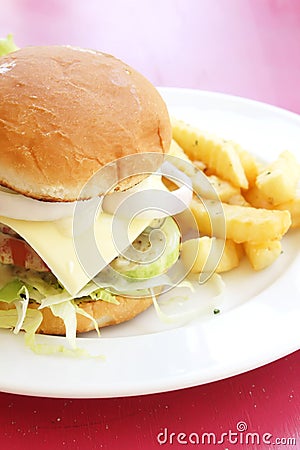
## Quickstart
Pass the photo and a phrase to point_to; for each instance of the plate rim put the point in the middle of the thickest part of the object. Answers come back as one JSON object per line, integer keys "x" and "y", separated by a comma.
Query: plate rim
{"x": 185, "y": 380}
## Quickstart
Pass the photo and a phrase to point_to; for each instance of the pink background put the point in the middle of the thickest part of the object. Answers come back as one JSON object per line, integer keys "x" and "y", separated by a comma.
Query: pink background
{"x": 243, "y": 47}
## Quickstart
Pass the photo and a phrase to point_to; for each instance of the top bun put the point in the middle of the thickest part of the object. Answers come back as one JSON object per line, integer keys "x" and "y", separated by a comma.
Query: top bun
{"x": 66, "y": 112}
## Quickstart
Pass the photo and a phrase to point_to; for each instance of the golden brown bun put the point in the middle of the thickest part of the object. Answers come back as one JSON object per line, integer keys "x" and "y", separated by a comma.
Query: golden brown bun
{"x": 105, "y": 314}
{"x": 66, "y": 112}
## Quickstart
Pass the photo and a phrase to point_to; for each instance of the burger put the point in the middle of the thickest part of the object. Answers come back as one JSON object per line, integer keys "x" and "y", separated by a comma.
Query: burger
{"x": 68, "y": 116}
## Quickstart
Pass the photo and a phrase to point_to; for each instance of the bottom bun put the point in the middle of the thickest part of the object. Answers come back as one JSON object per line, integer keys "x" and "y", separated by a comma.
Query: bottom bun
{"x": 103, "y": 312}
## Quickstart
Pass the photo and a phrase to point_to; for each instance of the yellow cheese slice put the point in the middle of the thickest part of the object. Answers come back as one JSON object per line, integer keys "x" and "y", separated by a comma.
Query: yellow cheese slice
{"x": 55, "y": 244}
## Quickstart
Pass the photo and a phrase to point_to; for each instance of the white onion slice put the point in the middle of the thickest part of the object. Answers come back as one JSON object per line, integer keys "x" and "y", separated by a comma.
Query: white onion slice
{"x": 179, "y": 199}
{"x": 18, "y": 206}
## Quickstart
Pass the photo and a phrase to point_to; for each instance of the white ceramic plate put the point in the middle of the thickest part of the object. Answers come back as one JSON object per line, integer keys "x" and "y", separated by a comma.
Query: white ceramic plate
{"x": 259, "y": 319}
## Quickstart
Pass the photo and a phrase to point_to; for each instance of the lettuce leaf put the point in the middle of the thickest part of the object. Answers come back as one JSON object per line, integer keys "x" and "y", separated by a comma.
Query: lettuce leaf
{"x": 10, "y": 292}
{"x": 7, "y": 45}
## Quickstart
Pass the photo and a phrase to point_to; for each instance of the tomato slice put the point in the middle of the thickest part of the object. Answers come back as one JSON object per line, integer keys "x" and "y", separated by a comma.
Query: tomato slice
{"x": 16, "y": 251}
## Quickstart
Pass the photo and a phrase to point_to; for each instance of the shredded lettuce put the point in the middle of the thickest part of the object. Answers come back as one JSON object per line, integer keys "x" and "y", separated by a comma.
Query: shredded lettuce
{"x": 21, "y": 307}
{"x": 88, "y": 316}
{"x": 64, "y": 306}
{"x": 67, "y": 312}
{"x": 33, "y": 286}
{"x": 46, "y": 290}
{"x": 7, "y": 45}
{"x": 56, "y": 299}
{"x": 31, "y": 323}
{"x": 17, "y": 293}
{"x": 92, "y": 292}
{"x": 102, "y": 294}
{"x": 45, "y": 283}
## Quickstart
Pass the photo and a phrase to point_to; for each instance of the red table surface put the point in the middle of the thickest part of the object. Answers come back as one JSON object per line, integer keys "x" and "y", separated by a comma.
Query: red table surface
{"x": 243, "y": 47}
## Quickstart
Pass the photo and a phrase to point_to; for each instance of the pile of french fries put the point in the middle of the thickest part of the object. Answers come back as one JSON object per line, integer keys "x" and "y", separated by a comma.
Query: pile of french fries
{"x": 260, "y": 202}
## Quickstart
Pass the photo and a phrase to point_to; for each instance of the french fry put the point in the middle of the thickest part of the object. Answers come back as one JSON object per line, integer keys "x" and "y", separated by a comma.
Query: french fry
{"x": 294, "y": 208}
{"x": 237, "y": 199}
{"x": 217, "y": 154}
{"x": 202, "y": 254}
{"x": 231, "y": 257}
{"x": 243, "y": 223}
{"x": 177, "y": 151}
{"x": 262, "y": 255}
{"x": 278, "y": 181}
{"x": 178, "y": 158}
{"x": 257, "y": 198}
{"x": 260, "y": 203}
{"x": 223, "y": 188}
{"x": 249, "y": 163}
